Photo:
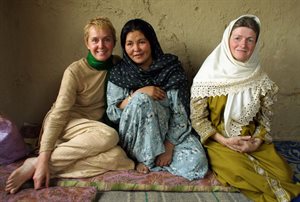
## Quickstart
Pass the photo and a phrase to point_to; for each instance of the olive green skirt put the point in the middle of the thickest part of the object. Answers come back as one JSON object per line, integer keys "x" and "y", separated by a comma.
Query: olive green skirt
{"x": 262, "y": 175}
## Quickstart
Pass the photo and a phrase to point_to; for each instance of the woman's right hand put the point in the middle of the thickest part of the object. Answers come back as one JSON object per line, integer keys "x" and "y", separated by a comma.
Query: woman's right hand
{"x": 41, "y": 175}
{"x": 153, "y": 91}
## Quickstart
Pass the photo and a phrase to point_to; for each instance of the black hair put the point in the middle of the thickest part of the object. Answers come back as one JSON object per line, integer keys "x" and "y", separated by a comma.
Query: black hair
{"x": 146, "y": 29}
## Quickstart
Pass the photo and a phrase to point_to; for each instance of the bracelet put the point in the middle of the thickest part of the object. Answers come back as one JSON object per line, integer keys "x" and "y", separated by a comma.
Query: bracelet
{"x": 129, "y": 98}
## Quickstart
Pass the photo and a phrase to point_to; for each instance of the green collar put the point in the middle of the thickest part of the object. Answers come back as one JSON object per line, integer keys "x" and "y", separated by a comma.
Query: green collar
{"x": 99, "y": 65}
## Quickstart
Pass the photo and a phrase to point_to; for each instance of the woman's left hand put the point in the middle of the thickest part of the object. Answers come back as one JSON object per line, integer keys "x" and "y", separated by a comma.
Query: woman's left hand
{"x": 153, "y": 91}
{"x": 250, "y": 145}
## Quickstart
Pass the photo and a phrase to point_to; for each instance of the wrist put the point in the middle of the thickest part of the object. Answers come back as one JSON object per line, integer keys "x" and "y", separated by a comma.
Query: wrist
{"x": 130, "y": 95}
{"x": 258, "y": 141}
{"x": 44, "y": 156}
{"x": 168, "y": 145}
{"x": 129, "y": 98}
{"x": 219, "y": 138}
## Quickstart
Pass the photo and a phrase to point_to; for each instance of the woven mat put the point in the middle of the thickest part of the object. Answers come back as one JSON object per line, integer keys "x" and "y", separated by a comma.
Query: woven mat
{"x": 154, "y": 181}
{"x": 87, "y": 188}
{"x": 131, "y": 180}
{"x": 164, "y": 181}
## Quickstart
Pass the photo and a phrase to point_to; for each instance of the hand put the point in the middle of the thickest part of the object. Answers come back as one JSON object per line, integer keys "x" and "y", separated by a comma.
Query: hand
{"x": 41, "y": 175}
{"x": 254, "y": 144}
{"x": 243, "y": 144}
{"x": 155, "y": 92}
{"x": 237, "y": 143}
{"x": 165, "y": 159}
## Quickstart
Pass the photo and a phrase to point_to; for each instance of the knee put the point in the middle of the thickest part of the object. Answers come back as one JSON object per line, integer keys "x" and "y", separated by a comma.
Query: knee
{"x": 104, "y": 135}
{"x": 139, "y": 104}
{"x": 142, "y": 98}
{"x": 111, "y": 135}
{"x": 285, "y": 174}
{"x": 116, "y": 152}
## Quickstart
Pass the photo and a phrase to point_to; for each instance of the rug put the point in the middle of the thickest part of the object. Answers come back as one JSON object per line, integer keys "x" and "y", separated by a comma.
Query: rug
{"x": 164, "y": 181}
{"x": 54, "y": 193}
{"x": 132, "y": 180}
{"x": 154, "y": 181}
{"x": 86, "y": 189}
{"x": 50, "y": 194}
{"x": 290, "y": 150}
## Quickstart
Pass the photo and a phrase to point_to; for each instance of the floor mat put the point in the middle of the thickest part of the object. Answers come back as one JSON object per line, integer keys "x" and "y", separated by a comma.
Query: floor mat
{"x": 70, "y": 189}
{"x": 290, "y": 150}
{"x": 56, "y": 194}
{"x": 154, "y": 181}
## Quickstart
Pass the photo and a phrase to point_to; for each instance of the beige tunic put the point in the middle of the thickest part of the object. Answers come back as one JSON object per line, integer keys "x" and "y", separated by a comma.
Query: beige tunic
{"x": 81, "y": 145}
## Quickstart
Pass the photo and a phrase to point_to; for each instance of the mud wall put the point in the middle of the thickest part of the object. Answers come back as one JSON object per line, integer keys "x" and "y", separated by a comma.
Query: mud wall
{"x": 40, "y": 38}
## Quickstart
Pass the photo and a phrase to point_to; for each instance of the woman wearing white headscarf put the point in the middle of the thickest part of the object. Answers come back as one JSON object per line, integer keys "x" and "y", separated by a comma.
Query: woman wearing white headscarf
{"x": 230, "y": 110}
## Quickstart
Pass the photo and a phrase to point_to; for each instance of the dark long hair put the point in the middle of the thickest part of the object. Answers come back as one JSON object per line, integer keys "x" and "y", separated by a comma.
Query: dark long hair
{"x": 147, "y": 30}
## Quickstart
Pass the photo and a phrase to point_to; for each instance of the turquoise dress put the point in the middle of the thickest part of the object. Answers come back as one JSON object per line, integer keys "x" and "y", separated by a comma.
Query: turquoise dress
{"x": 144, "y": 125}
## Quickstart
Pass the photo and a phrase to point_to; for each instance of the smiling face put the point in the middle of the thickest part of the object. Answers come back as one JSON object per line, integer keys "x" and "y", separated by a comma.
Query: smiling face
{"x": 100, "y": 42}
{"x": 138, "y": 49}
{"x": 242, "y": 43}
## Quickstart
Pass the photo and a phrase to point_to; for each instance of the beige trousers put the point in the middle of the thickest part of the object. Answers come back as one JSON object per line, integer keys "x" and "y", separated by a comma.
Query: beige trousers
{"x": 87, "y": 148}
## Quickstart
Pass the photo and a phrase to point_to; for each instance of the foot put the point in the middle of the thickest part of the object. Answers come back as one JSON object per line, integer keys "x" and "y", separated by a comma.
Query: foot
{"x": 142, "y": 168}
{"x": 20, "y": 176}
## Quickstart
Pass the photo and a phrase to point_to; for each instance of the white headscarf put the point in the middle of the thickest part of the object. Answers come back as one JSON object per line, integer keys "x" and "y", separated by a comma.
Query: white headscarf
{"x": 242, "y": 82}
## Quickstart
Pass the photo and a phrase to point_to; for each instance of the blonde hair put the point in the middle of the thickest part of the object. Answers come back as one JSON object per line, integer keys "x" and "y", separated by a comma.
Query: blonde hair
{"x": 99, "y": 22}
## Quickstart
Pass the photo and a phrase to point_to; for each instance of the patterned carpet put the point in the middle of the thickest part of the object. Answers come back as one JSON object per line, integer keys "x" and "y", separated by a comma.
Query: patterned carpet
{"x": 172, "y": 189}
{"x": 291, "y": 152}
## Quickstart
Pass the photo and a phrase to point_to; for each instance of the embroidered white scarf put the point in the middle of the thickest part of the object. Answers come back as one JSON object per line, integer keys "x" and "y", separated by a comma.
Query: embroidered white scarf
{"x": 243, "y": 82}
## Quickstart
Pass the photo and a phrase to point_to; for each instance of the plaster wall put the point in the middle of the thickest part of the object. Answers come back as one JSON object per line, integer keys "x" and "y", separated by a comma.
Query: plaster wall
{"x": 40, "y": 38}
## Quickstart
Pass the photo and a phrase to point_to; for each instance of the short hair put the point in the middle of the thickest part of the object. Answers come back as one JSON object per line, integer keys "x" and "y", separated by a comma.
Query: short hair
{"x": 249, "y": 22}
{"x": 99, "y": 22}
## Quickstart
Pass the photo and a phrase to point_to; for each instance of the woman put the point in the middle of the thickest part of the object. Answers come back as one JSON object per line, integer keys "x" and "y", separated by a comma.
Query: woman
{"x": 74, "y": 142}
{"x": 148, "y": 97}
{"x": 230, "y": 110}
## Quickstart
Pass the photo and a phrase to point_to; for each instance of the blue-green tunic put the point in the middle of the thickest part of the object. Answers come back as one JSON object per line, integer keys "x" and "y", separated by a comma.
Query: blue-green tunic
{"x": 144, "y": 125}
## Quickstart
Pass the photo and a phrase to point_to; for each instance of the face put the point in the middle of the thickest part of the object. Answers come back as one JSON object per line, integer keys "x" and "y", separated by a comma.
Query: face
{"x": 242, "y": 43}
{"x": 138, "y": 49}
{"x": 100, "y": 42}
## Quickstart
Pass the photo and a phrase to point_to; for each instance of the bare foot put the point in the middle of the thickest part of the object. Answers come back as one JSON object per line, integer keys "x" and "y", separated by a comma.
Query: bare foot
{"x": 142, "y": 168}
{"x": 20, "y": 176}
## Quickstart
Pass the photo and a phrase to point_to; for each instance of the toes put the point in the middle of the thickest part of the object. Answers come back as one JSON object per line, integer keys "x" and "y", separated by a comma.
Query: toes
{"x": 141, "y": 168}
{"x": 13, "y": 191}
